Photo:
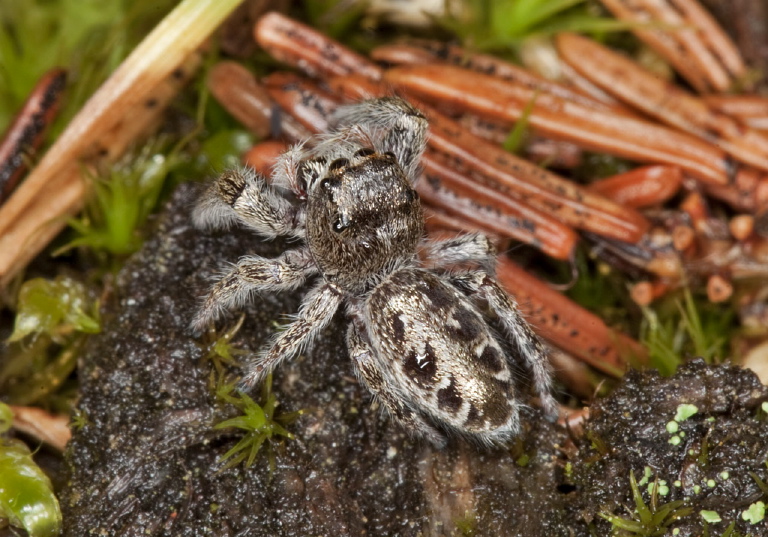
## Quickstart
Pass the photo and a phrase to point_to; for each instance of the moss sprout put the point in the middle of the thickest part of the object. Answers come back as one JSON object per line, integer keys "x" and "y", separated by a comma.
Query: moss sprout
{"x": 647, "y": 520}
{"x": 259, "y": 421}
{"x": 685, "y": 411}
{"x": 53, "y": 320}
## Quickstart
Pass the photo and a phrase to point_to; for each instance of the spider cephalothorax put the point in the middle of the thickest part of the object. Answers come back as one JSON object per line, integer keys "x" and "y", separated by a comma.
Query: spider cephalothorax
{"x": 441, "y": 349}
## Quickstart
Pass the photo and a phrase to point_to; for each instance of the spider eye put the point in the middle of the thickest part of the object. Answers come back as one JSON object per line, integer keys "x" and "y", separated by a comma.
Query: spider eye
{"x": 341, "y": 224}
{"x": 364, "y": 152}
{"x": 338, "y": 163}
{"x": 411, "y": 195}
{"x": 329, "y": 183}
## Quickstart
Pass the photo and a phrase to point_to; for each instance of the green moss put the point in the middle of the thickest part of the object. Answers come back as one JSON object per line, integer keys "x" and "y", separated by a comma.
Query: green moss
{"x": 260, "y": 423}
{"x": 53, "y": 320}
{"x": 55, "y": 308}
{"x": 26, "y": 494}
{"x": 691, "y": 326}
{"x": 123, "y": 200}
{"x": 647, "y": 520}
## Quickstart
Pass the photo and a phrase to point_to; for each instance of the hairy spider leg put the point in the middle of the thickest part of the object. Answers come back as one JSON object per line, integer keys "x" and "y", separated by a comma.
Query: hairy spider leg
{"x": 478, "y": 285}
{"x": 251, "y": 275}
{"x": 316, "y": 312}
{"x": 396, "y": 127}
{"x": 244, "y": 196}
{"x": 471, "y": 248}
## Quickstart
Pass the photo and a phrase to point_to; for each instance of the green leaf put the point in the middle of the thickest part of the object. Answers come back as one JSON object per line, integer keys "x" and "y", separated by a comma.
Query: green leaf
{"x": 54, "y": 307}
{"x": 755, "y": 513}
{"x": 710, "y": 516}
{"x": 6, "y": 418}
{"x": 26, "y": 493}
{"x": 685, "y": 411}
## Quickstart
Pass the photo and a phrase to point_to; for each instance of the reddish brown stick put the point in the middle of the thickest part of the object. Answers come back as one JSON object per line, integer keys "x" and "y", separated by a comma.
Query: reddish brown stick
{"x": 642, "y": 187}
{"x": 263, "y": 156}
{"x": 423, "y": 52}
{"x": 750, "y": 109}
{"x": 626, "y": 80}
{"x": 237, "y": 90}
{"x": 533, "y": 185}
{"x": 303, "y": 99}
{"x": 297, "y": 44}
{"x": 593, "y": 129}
{"x": 27, "y": 130}
{"x": 566, "y": 324}
{"x": 444, "y": 187}
{"x": 689, "y": 40}
{"x": 515, "y": 177}
{"x": 722, "y": 47}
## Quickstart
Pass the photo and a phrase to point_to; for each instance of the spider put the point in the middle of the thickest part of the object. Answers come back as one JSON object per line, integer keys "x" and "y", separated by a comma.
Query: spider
{"x": 441, "y": 349}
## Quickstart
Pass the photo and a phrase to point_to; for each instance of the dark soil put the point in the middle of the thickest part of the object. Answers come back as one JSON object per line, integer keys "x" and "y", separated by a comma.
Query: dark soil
{"x": 147, "y": 462}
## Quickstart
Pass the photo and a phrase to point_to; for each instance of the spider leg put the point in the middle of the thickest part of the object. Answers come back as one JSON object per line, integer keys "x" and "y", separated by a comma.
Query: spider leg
{"x": 480, "y": 286}
{"x": 470, "y": 247}
{"x": 251, "y": 275}
{"x": 396, "y": 126}
{"x": 243, "y": 195}
{"x": 369, "y": 374}
{"x": 315, "y": 314}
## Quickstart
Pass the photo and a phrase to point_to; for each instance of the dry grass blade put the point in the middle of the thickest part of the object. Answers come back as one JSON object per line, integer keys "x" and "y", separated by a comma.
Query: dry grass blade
{"x": 128, "y": 103}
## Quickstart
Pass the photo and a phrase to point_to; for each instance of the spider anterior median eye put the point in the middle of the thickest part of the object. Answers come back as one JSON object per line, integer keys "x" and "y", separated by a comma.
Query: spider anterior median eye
{"x": 328, "y": 183}
{"x": 341, "y": 224}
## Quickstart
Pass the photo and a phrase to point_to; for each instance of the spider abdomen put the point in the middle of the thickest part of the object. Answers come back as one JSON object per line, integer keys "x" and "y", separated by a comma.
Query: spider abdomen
{"x": 435, "y": 346}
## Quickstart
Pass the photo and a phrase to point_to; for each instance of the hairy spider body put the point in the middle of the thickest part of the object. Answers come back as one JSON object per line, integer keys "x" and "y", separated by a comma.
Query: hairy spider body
{"x": 441, "y": 350}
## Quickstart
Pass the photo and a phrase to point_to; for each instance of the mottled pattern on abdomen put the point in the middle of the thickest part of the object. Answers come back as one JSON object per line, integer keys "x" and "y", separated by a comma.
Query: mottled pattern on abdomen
{"x": 433, "y": 344}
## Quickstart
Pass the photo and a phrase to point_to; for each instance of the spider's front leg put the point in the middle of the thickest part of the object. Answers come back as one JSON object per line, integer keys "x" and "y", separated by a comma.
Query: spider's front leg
{"x": 254, "y": 274}
{"x": 479, "y": 286}
{"x": 395, "y": 125}
{"x": 467, "y": 248}
{"x": 316, "y": 312}
{"x": 243, "y": 195}
{"x": 363, "y": 358}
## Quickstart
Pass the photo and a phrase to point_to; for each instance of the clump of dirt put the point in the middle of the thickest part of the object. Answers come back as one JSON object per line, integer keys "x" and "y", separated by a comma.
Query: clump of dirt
{"x": 147, "y": 458}
{"x": 698, "y": 438}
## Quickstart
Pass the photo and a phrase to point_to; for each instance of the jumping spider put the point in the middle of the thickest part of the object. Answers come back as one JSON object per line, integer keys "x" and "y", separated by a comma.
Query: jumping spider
{"x": 442, "y": 350}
